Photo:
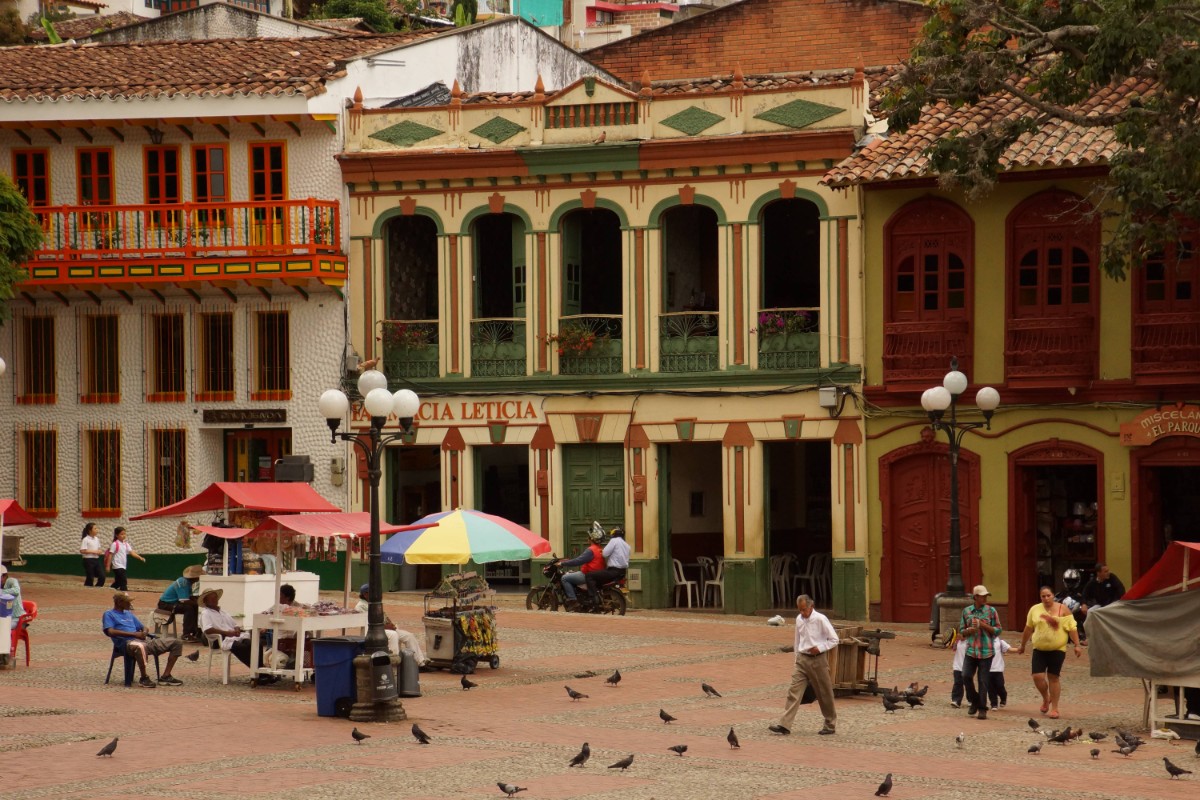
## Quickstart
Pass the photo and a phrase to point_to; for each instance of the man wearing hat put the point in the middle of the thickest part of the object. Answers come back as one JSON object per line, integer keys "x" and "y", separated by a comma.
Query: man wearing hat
{"x": 177, "y": 599}
{"x": 980, "y": 626}
{"x": 396, "y": 637}
{"x": 122, "y": 625}
{"x": 214, "y": 621}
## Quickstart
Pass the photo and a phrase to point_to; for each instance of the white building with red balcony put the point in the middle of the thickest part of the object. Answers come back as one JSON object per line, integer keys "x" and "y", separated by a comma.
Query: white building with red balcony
{"x": 187, "y": 306}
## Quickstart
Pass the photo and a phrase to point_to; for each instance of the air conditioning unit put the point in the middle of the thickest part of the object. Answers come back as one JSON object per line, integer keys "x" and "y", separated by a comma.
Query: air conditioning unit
{"x": 294, "y": 469}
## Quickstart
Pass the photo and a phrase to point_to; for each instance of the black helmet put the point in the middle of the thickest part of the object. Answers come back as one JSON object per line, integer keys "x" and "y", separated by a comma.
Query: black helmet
{"x": 1071, "y": 578}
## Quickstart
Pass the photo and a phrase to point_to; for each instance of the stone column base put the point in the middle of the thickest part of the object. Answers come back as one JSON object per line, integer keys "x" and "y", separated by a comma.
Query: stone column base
{"x": 365, "y": 709}
{"x": 950, "y": 610}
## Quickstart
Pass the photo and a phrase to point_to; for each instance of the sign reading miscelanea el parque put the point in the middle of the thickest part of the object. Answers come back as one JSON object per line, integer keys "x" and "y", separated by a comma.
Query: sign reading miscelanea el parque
{"x": 1150, "y": 426}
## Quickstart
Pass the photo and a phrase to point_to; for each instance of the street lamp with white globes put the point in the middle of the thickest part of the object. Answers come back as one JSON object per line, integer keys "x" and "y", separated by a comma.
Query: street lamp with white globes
{"x": 936, "y": 400}
{"x": 379, "y": 404}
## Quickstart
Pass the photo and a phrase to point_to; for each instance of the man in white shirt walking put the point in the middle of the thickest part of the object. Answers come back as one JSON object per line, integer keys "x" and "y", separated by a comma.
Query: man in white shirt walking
{"x": 814, "y": 637}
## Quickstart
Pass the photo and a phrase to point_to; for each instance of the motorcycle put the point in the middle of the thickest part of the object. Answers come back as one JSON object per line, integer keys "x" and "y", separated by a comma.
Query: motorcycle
{"x": 550, "y": 596}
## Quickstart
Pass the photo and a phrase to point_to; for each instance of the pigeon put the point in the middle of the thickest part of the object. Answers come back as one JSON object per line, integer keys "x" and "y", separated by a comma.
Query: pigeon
{"x": 1131, "y": 738}
{"x": 889, "y": 706}
{"x": 665, "y": 717}
{"x": 913, "y": 700}
{"x": 1126, "y": 751}
{"x": 466, "y": 684}
{"x": 958, "y": 740}
{"x": 1097, "y": 737}
{"x": 193, "y": 656}
{"x": 614, "y": 679}
{"x": 1062, "y": 736}
{"x": 509, "y": 789}
{"x": 884, "y": 787}
{"x": 109, "y": 748}
{"x": 584, "y": 754}
{"x": 574, "y": 695}
{"x": 893, "y": 696}
{"x": 1095, "y": 752}
{"x": 733, "y": 740}
{"x": 359, "y": 735}
{"x": 709, "y": 691}
{"x": 624, "y": 764}
{"x": 1035, "y": 725}
{"x": 1173, "y": 770}
{"x": 921, "y": 693}
{"x": 421, "y": 735}
{"x": 600, "y": 139}
{"x": 679, "y": 749}
{"x": 1035, "y": 748}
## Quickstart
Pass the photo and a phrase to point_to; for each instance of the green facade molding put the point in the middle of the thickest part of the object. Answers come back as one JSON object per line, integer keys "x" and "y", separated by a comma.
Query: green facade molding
{"x": 405, "y": 134}
{"x": 497, "y": 130}
{"x": 692, "y": 120}
{"x": 798, "y": 113}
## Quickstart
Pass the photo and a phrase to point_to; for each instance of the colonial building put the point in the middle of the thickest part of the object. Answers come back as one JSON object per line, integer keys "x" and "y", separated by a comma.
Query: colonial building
{"x": 634, "y": 305}
{"x": 1092, "y": 455}
{"x": 186, "y": 309}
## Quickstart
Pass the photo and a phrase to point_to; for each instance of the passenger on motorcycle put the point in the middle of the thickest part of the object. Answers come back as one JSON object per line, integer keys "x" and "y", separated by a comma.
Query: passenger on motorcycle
{"x": 589, "y": 560}
{"x": 616, "y": 557}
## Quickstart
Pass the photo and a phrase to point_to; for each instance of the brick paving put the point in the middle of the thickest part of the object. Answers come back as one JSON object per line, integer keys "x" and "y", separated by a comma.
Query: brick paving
{"x": 213, "y": 742}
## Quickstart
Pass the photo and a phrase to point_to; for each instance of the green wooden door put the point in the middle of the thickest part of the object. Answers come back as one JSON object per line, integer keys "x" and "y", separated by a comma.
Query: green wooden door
{"x": 572, "y": 261}
{"x": 518, "y": 266}
{"x": 595, "y": 490}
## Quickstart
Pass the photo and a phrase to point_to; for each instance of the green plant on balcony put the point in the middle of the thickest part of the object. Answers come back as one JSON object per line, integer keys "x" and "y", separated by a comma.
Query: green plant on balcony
{"x": 410, "y": 349}
{"x": 578, "y": 338}
{"x": 407, "y": 335}
{"x": 781, "y": 323}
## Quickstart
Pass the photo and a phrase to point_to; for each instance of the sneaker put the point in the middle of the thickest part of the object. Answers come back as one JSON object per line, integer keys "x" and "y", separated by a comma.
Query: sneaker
{"x": 955, "y": 705}
{"x": 782, "y": 731}
{"x": 826, "y": 732}
{"x": 1001, "y": 705}
{"x": 994, "y": 707}
{"x": 147, "y": 683}
{"x": 169, "y": 680}
{"x": 1193, "y": 717}
{"x": 972, "y": 711}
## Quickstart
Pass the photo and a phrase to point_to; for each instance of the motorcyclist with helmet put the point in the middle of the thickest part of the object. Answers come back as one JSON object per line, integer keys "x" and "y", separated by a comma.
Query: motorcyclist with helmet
{"x": 1071, "y": 597}
{"x": 590, "y": 560}
{"x": 616, "y": 558}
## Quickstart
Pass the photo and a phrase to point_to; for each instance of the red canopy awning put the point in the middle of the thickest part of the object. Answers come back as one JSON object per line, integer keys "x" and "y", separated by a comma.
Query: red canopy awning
{"x": 1178, "y": 570}
{"x": 282, "y": 497}
{"x": 348, "y": 525}
{"x": 11, "y": 514}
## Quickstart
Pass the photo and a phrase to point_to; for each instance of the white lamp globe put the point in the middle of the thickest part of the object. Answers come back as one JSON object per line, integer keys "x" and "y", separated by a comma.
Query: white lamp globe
{"x": 939, "y": 399}
{"x": 955, "y": 382}
{"x": 987, "y": 399}
{"x": 334, "y": 404}
{"x": 925, "y": 400}
{"x": 405, "y": 404}
{"x": 3, "y": 366}
{"x": 378, "y": 402}
{"x": 371, "y": 379}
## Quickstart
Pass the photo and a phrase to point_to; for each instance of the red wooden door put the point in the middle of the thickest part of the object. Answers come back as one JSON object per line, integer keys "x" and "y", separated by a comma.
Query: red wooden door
{"x": 916, "y": 546}
{"x": 1023, "y": 567}
{"x": 1149, "y": 539}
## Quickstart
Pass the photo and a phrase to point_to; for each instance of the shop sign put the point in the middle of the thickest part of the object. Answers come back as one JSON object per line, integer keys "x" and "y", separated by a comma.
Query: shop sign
{"x": 244, "y": 416}
{"x": 1150, "y": 426}
{"x": 473, "y": 411}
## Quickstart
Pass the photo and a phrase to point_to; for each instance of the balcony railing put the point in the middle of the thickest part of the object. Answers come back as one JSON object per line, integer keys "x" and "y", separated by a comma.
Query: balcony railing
{"x": 1166, "y": 345}
{"x": 588, "y": 344}
{"x": 918, "y": 351}
{"x": 189, "y": 230}
{"x": 789, "y": 338}
{"x": 688, "y": 341}
{"x": 1050, "y": 349}
{"x": 498, "y": 347}
{"x": 410, "y": 348}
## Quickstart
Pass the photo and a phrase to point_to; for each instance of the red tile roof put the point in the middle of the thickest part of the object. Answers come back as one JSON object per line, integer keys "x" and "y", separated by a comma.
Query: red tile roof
{"x": 80, "y": 27}
{"x": 262, "y": 67}
{"x": 1054, "y": 144}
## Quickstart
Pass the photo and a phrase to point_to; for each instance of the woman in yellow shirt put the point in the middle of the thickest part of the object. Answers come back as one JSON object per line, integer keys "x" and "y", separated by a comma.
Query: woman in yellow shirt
{"x": 1050, "y": 624}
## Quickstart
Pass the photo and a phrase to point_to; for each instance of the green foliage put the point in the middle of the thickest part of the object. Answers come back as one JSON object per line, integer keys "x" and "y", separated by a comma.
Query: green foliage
{"x": 12, "y": 30}
{"x": 20, "y": 235}
{"x": 464, "y": 12}
{"x": 374, "y": 12}
{"x": 1054, "y": 55}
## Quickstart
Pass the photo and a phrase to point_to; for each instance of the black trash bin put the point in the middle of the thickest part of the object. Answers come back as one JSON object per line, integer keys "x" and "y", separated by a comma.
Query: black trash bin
{"x": 383, "y": 676}
{"x": 333, "y": 673}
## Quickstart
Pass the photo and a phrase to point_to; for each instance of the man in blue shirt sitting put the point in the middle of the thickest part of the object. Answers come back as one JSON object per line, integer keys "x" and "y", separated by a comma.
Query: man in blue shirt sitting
{"x": 126, "y": 629}
{"x": 177, "y": 599}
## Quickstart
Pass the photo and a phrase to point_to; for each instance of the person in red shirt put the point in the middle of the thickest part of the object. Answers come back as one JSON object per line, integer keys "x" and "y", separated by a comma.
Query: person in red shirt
{"x": 590, "y": 560}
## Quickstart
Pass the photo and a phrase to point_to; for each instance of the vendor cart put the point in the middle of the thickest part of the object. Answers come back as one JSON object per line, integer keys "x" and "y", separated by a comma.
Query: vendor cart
{"x": 849, "y": 666}
{"x": 460, "y": 628}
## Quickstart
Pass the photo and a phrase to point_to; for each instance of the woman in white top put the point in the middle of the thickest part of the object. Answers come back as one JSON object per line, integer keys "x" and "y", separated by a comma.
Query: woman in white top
{"x": 91, "y": 549}
{"x": 120, "y": 550}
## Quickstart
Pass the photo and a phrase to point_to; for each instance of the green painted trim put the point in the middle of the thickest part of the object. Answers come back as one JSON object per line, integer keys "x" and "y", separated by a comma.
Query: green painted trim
{"x": 773, "y": 195}
{"x": 849, "y": 584}
{"x": 391, "y": 213}
{"x": 699, "y": 200}
{"x": 480, "y": 211}
{"x": 574, "y": 205}
{"x": 574, "y": 159}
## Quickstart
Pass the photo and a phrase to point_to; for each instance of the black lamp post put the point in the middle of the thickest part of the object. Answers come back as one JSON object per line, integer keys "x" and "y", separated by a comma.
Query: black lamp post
{"x": 935, "y": 401}
{"x": 379, "y": 403}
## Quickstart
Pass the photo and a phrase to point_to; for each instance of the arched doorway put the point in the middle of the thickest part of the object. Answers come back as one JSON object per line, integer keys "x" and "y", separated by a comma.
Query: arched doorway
{"x": 915, "y": 496}
{"x": 1166, "y": 506}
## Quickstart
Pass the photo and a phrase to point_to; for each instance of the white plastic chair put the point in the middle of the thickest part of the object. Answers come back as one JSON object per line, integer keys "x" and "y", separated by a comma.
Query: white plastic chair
{"x": 708, "y": 570}
{"x": 781, "y": 568}
{"x": 681, "y": 582}
{"x": 716, "y": 585}
{"x": 807, "y": 582}
{"x": 215, "y": 651}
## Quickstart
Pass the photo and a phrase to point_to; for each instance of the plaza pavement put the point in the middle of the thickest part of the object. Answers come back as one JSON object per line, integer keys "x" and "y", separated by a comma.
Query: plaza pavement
{"x": 213, "y": 742}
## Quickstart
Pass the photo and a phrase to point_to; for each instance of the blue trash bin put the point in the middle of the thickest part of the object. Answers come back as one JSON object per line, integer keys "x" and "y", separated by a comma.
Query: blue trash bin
{"x": 6, "y": 604}
{"x": 333, "y": 673}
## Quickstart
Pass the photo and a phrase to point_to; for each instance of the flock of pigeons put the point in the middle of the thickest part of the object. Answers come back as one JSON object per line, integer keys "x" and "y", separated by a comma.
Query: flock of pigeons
{"x": 1125, "y": 741}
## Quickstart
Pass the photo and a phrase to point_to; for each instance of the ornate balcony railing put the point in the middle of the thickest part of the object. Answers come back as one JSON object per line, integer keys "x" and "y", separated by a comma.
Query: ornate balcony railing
{"x": 917, "y": 351}
{"x": 1166, "y": 345}
{"x": 688, "y": 341}
{"x": 588, "y": 344}
{"x": 410, "y": 347}
{"x": 498, "y": 347}
{"x": 789, "y": 338}
{"x": 189, "y": 230}
{"x": 1053, "y": 349}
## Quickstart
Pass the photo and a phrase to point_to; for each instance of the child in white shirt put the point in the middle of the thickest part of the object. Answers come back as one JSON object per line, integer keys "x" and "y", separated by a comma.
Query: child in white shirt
{"x": 996, "y": 689}
{"x": 960, "y": 653}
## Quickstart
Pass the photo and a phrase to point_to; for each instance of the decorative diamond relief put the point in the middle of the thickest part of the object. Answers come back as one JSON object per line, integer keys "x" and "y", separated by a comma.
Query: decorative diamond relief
{"x": 405, "y": 134}
{"x": 497, "y": 130}
{"x": 692, "y": 120}
{"x": 798, "y": 113}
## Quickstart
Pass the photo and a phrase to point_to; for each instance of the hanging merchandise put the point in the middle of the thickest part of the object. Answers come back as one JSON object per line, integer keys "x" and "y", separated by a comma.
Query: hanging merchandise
{"x": 331, "y": 554}
{"x": 183, "y": 534}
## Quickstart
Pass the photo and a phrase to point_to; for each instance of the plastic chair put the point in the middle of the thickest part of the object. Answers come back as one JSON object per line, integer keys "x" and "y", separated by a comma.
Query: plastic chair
{"x": 781, "y": 568}
{"x": 825, "y": 576}
{"x": 118, "y": 651}
{"x": 20, "y": 631}
{"x": 806, "y": 582}
{"x": 214, "y": 650}
{"x": 681, "y": 582}
{"x": 164, "y": 624}
{"x": 707, "y": 570}
{"x": 716, "y": 585}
